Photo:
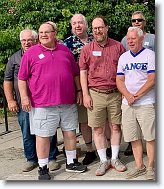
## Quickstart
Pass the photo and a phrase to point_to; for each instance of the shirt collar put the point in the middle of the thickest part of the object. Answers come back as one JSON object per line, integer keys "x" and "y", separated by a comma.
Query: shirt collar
{"x": 77, "y": 39}
{"x": 134, "y": 55}
{"x": 46, "y": 49}
{"x": 106, "y": 45}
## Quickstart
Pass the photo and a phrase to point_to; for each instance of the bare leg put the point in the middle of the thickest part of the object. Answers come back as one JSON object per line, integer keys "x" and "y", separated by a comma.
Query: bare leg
{"x": 108, "y": 134}
{"x": 116, "y": 134}
{"x": 42, "y": 147}
{"x": 87, "y": 136}
{"x": 138, "y": 153}
{"x": 69, "y": 140}
{"x": 150, "y": 148}
{"x": 99, "y": 138}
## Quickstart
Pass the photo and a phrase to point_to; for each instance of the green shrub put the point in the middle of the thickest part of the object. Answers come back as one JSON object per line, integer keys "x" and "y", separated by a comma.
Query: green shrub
{"x": 18, "y": 14}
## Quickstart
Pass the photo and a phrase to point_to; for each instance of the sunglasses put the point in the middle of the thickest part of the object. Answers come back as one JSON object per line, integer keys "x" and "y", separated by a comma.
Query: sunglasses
{"x": 138, "y": 20}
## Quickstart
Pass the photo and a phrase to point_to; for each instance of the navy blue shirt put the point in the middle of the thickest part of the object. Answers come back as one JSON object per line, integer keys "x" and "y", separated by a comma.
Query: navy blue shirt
{"x": 75, "y": 45}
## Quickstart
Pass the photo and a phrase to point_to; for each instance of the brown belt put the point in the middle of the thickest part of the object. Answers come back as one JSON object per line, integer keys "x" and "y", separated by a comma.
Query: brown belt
{"x": 105, "y": 91}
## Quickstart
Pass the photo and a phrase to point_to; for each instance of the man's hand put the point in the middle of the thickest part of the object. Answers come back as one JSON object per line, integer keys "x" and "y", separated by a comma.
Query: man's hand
{"x": 130, "y": 98}
{"x": 13, "y": 107}
{"x": 88, "y": 103}
{"x": 26, "y": 104}
{"x": 79, "y": 98}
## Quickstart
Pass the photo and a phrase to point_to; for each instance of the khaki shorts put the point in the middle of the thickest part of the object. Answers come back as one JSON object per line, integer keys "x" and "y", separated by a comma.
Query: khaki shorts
{"x": 105, "y": 107}
{"x": 44, "y": 121}
{"x": 138, "y": 122}
{"x": 82, "y": 114}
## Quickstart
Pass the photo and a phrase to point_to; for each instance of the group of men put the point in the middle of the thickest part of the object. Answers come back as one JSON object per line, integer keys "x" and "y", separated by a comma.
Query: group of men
{"x": 84, "y": 82}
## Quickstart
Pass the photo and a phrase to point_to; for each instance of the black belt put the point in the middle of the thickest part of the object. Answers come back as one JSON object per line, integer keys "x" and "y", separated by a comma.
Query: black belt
{"x": 105, "y": 91}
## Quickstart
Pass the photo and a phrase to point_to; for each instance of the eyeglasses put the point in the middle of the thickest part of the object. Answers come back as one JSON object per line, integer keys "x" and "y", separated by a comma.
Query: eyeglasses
{"x": 99, "y": 28}
{"x": 138, "y": 20}
{"x": 28, "y": 40}
{"x": 46, "y": 32}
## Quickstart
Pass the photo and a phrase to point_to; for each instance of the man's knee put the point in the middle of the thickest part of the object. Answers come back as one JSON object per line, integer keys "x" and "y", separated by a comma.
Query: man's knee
{"x": 98, "y": 130}
{"x": 116, "y": 127}
{"x": 69, "y": 135}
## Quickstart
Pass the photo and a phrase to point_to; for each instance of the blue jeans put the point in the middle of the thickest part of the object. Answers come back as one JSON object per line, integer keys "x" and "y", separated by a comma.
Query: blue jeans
{"x": 29, "y": 141}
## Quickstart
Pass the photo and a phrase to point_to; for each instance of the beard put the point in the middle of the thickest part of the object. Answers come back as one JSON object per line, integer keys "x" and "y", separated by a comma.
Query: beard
{"x": 100, "y": 38}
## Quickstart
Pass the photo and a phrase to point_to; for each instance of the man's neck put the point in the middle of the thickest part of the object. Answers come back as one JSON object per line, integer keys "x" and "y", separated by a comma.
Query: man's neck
{"x": 50, "y": 46}
{"x": 103, "y": 43}
{"x": 83, "y": 37}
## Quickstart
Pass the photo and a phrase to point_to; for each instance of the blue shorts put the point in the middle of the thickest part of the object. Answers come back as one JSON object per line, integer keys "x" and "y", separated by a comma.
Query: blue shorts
{"x": 44, "y": 121}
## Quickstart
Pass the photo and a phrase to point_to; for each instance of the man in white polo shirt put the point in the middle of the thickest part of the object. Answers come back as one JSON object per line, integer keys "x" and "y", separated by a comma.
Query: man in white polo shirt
{"x": 136, "y": 80}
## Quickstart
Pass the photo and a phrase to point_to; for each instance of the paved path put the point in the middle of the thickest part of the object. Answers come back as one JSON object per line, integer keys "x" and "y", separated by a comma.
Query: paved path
{"x": 12, "y": 159}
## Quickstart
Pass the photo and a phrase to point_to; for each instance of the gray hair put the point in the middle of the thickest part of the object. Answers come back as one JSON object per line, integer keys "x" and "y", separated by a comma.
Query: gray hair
{"x": 139, "y": 12}
{"x": 52, "y": 24}
{"x": 34, "y": 33}
{"x": 83, "y": 17}
{"x": 138, "y": 30}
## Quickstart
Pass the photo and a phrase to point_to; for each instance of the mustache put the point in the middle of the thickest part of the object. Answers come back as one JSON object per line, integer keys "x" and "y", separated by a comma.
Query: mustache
{"x": 99, "y": 33}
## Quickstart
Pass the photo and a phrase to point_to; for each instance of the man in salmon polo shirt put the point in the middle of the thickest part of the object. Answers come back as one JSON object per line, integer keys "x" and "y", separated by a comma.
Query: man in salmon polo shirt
{"x": 98, "y": 66}
{"x": 48, "y": 81}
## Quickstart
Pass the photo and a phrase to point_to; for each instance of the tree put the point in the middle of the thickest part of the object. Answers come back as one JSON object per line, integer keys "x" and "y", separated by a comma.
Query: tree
{"x": 16, "y": 15}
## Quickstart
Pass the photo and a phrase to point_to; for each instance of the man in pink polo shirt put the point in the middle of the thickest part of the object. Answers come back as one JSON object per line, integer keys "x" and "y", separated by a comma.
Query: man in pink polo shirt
{"x": 50, "y": 88}
{"x": 98, "y": 68}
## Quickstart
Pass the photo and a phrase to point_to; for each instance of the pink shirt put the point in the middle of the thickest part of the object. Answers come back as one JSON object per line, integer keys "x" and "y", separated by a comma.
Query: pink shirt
{"x": 50, "y": 75}
{"x": 101, "y": 63}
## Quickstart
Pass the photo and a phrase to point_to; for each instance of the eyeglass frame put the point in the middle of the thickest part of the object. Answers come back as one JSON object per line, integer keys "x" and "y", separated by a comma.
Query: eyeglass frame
{"x": 99, "y": 28}
{"x": 137, "y": 19}
{"x": 27, "y": 40}
{"x": 46, "y": 32}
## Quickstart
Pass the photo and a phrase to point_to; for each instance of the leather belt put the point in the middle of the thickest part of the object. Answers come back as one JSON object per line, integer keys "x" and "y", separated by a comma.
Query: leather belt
{"x": 105, "y": 91}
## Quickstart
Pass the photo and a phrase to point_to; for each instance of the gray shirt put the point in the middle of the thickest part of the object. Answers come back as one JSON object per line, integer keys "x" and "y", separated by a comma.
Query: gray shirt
{"x": 149, "y": 42}
{"x": 11, "y": 72}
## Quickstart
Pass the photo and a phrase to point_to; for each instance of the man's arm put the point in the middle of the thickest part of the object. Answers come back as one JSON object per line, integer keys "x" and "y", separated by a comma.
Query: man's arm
{"x": 88, "y": 103}
{"x": 8, "y": 90}
{"x": 146, "y": 87}
{"x": 120, "y": 81}
{"x": 25, "y": 101}
{"x": 78, "y": 90}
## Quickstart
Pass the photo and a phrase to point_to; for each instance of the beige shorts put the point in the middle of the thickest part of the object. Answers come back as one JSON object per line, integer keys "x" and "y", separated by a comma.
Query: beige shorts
{"x": 82, "y": 114}
{"x": 138, "y": 122}
{"x": 105, "y": 107}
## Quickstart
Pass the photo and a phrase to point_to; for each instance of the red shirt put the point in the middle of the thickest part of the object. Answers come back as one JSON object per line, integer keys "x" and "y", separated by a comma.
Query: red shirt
{"x": 101, "y": 63}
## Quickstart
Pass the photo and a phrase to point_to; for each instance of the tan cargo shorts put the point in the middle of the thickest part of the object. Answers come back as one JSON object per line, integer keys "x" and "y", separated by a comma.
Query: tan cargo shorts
{"x": 105, "y": 107}
{"x": 138, "y": 122}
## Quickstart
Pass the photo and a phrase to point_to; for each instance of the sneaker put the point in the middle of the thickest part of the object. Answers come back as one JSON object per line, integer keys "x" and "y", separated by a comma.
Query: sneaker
{"x": 29, "y": 166}
{"x": 53, "y": 165}
{"x": 118, "y": 165}
{"x": 150, "y": 173}
{"x": 89, "y": 158}
{"x": 76, "y": 167}
{"x": 109, "y": 152}
{"x": 43, "y": 173}
{"x": 128, "y": 151}
{"x": 136, "y": 173}
{"x": 103, "y": 167}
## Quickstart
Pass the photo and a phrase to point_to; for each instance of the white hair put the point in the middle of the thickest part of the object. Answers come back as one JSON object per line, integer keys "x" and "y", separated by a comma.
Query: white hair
{"x": 83, "y": 17}
{"x": 34, "y": 33}
{"x": 52, "y": 24}
{"x": 138, "y": 30}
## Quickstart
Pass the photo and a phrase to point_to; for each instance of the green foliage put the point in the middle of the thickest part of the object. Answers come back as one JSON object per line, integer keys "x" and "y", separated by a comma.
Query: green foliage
{"x": 18, "y": 14}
